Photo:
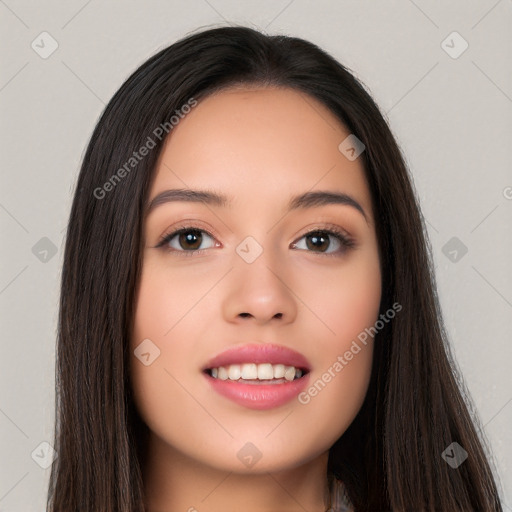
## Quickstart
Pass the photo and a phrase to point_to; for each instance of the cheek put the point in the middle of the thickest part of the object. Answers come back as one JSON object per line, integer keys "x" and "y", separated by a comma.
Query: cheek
{"x": 346, "y": 301}
{"x": 164, "y": 297}
{"x": 159, "y": 328}
{"x": 343, "y": 358}
{"x": 157, "y": 312}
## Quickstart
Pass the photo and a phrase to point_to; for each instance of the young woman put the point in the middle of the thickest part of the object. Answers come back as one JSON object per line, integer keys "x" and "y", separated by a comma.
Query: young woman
{"x": 248, "y": 317}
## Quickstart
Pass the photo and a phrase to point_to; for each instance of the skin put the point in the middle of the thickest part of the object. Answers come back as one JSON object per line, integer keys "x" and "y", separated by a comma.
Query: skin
{"x": 261, "y": 146}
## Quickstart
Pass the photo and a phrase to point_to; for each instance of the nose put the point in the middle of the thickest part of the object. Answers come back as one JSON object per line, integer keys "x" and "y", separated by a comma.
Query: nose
{"x": 261, "y": 291}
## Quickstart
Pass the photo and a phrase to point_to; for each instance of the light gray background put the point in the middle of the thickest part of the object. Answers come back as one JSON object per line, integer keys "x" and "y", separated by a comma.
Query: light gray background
{"x": 451, "y": 116}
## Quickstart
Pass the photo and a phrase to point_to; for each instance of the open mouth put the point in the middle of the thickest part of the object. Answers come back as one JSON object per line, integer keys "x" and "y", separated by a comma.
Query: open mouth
{"x": 252, "y": 373}
{"x": 259, "y": 376}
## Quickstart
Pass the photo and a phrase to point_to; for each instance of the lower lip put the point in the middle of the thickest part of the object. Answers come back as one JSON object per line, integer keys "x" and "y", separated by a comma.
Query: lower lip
{"x": 258, "y": 396}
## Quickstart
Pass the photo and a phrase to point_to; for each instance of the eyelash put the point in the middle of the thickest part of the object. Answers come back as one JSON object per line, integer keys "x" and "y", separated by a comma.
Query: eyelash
{"x": 345, "y": 241}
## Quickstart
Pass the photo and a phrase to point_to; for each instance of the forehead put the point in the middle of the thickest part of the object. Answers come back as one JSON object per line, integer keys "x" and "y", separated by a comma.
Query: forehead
{"x": 270, "y": 143}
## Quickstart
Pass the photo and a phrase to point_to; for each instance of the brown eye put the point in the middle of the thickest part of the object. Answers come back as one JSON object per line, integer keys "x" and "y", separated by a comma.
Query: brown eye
{"x": 190, "y": 239}
{"x": 321, "y": 241}
{"x": 185, "y": 240}
{"x": 318, "y": 241}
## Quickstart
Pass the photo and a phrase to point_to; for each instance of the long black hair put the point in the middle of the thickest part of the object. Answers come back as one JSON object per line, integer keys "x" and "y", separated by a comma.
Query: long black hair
{"x": 416, "y": 405}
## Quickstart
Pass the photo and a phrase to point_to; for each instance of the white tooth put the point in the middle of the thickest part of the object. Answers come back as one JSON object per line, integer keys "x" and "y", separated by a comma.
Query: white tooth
{"x": 252, "y": 371}
{"x": 249, "y": 371}
{"x": 234, "y": 372}
{"x": 289, "y": 373}
{"x": 265, "y": 371}
{"x": 278, "y": 371}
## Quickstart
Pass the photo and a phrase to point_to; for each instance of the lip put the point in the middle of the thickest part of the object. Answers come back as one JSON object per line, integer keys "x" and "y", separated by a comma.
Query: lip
{"x": 258, "y": 396}
{"x": 259, "y": 353}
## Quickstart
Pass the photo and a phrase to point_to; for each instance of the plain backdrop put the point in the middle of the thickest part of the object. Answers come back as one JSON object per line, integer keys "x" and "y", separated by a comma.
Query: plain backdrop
{"x": 440, "y": 71}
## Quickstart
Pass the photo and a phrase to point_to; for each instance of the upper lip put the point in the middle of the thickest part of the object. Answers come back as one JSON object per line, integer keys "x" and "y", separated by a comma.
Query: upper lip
{"x": 259, "y": 353}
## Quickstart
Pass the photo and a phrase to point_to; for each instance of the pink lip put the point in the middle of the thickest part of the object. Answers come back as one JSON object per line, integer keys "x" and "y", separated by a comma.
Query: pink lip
{"x": 259, "y": 353}
{"x": 259, "y": 396}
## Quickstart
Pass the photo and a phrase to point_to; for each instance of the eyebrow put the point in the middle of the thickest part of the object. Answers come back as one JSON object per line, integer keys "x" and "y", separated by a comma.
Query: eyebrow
{"x": 301, "y": 201}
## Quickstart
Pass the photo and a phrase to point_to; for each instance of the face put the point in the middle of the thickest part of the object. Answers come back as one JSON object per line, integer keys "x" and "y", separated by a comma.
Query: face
{"x": 297, "y": 285}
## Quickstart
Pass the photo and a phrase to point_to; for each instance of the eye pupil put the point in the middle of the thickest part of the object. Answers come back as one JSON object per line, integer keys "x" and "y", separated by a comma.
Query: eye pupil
{"x": 317, "y": 240}
{"x": 191, "y": 237}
